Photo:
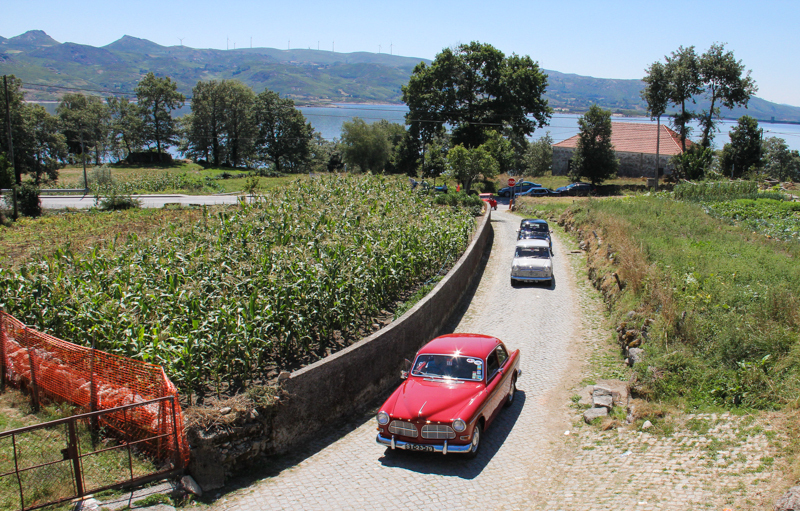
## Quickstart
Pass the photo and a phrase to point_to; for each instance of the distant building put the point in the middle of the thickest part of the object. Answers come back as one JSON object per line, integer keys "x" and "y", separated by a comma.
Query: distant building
{"x": 635, "y": 145}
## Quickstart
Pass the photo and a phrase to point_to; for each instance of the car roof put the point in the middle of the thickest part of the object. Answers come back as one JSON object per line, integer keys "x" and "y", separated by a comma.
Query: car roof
{"x": 533, "y": 221}
{"x": 470, "y": 345}
{"x": 533, "y": 242}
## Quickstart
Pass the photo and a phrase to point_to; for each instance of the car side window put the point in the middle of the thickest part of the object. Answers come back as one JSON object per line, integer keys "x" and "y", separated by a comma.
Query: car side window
{"x": 502, "y": 355}
{"x": 492, "y": 365}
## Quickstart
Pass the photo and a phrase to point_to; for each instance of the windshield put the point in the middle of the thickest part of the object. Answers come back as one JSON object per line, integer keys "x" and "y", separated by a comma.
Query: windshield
{"x": 532, "y": 252}
{"x": 448, "y": 366}
{"x": 535, "y": 227}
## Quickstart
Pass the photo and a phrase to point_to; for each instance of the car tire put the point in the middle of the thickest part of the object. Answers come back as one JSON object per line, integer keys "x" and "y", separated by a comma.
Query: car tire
{"x": 477, "y": 436}
{"x": 511, "y": 392}
{"x": 513, "y": 283}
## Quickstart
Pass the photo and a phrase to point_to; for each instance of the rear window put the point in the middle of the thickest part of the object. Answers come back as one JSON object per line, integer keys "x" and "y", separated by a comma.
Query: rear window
{"x": 531, "y": 252}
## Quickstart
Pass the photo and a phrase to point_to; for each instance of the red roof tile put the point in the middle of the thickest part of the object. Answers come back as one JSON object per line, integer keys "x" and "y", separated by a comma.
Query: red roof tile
{"x": 634, "y": 137}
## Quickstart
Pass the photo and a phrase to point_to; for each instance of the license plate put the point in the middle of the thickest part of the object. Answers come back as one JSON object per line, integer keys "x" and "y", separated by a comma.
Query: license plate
{"x": 418, "y": 447}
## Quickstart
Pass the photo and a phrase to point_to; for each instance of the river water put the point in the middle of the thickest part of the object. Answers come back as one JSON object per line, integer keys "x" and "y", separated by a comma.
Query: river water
{"x": 328, "y": 122}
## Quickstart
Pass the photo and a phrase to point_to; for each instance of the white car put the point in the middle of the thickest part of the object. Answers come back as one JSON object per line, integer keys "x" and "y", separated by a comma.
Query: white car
{"x": 532, "y": 262}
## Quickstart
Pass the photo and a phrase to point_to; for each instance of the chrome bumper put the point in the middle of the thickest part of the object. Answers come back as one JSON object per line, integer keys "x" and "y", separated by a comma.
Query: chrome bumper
{"x": 442, "y": 448}
{"x": 531, "y": 278}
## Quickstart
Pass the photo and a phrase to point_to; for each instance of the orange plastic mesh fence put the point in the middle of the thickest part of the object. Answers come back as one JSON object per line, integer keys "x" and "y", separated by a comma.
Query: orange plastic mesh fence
{"x": 92, "y": 380}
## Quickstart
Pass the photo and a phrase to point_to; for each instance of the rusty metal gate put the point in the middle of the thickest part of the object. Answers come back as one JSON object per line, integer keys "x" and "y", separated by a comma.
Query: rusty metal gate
{"x": 69, "y": 458}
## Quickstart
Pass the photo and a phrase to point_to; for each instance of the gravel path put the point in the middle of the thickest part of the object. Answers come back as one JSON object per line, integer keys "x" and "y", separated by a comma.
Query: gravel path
{"x": 527, "y": 461}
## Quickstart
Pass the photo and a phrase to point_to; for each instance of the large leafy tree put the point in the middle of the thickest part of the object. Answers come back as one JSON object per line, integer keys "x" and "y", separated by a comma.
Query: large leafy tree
{"x": 725, "y": 83}
{"x": 15, "y": 119}
{"x": 158, "y": 97}
{"x": 85, "y": 122}
{"x": 220, "y": 128}
{"x": 46, "y": 148}
{"x": 683, "y": 71}
{"x": 467, "y": 165}
{"x": 656, "y": 93}
{"x": 282, "y": 133}
{"x": 538, "y": 157}
{"x": 127, "y": 127}
{"x": 475, "y": 88}
{"x": 594, "y": 158}
{"x": 780, "y": 162}
{"x": 238, "y": 120}
{"x": 370, "y": 147}
{"x": 744, "y": 152}
{"x": 204, "y": 126}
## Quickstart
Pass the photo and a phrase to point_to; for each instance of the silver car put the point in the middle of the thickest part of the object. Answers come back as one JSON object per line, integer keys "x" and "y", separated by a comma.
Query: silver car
{"x": 532, "y": 262}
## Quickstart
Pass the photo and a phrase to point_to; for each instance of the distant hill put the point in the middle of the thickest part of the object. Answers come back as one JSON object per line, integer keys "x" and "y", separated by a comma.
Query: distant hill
{"x": 308, "y": 76}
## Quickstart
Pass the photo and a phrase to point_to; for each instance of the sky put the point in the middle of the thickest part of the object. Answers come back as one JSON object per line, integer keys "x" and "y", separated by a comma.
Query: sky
{"x": 604, "y": 39}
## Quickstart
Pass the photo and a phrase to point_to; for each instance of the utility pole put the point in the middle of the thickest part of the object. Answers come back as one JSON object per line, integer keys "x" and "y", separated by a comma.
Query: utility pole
{"x": 379, "y": 48}
{"x": 390, "y": 49}
{"x": 227, "y": 43}
{"x": 251, "y": 42}
{"x": 17, "y": 175}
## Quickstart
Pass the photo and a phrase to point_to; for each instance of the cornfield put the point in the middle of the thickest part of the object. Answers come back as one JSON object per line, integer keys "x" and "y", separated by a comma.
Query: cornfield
{"x": 272, "y": 284}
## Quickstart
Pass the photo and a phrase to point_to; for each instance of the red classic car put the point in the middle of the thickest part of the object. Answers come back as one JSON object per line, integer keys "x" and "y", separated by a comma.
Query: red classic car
{"x": 489, "y": 199}
{"x": 455, "y": 388}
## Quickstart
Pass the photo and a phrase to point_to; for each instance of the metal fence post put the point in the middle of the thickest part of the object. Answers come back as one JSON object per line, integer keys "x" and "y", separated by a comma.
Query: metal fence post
{"x": 34, "y": 386}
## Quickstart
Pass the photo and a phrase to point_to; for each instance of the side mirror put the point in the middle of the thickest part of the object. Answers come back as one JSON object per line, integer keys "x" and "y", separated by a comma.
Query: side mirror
{"x": 406, "y": 369}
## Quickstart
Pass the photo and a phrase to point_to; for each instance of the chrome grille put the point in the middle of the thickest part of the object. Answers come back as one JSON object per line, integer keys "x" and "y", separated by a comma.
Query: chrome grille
{"x": 437, "y": 432}
{"x": 403, "y": 428}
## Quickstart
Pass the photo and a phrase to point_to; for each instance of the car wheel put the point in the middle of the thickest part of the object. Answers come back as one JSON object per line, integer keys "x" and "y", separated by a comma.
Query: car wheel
{"x": 513, "y": 283}
{"x": 512, "y": 392}
{"x": 476, "y": 441}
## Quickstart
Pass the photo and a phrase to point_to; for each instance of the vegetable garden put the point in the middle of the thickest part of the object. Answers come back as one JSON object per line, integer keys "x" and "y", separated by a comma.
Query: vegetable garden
{"x": 247, "y": 291}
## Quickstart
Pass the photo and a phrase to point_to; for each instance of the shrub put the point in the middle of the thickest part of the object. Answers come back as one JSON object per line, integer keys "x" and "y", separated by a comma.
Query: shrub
{"x": 29, "y": 203}
{"x": 116, "y": 202}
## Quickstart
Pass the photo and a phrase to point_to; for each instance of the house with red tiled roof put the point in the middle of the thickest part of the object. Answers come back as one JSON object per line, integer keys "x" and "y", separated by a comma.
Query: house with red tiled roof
{"x": 635, "y": 145}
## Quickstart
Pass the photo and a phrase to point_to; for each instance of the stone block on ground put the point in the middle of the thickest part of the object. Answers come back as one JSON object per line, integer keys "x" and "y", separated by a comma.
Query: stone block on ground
{"x": 189, "y": 484}
{"x": 593, "y": 413}
{"x": 604, "y": 401}
{"x": 586, "y": 395}
{"x": 618, "y": 389}
{"x": 635, "y": 356}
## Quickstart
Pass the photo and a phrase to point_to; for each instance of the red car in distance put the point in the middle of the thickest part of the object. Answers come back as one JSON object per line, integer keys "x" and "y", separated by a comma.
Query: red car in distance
{"x": 489, "y": 199}
{"x": 455, "y": 388}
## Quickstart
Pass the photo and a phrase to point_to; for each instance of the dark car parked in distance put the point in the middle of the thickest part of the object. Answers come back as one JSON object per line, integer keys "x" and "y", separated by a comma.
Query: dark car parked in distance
{"x": 576, "y": 189}
{"x": 523, "y": 186}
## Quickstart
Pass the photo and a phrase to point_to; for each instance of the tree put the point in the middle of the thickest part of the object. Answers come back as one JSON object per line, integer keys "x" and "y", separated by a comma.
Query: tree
{"x": 204, "y": 126}
{"x": 475, "y": 88}
{"x": 435, "y": 156}
{"x": 744, "y": 152}
{"x": 693, "y": 163}
{"x": 282, "y": 133}
{"x": 370, "y": 147}
{"x": 46, "y": 147}
{"x": 594, "y": 158}
{"x": 86, "y": 123}
{"x": 157, "y": 98}
{"x": 683, "y": 72}
{"x": 722, "y": 80}
{"x": 538, "y": 158}
{"x": 466, "y": 165}
{"x": 501, "y": 150}
{"x": 15, "y": 120}
{"x": 656, "y": 93}
{"x": 779, "y": 162}
{"x": 127, "y": 127}
{"x": 238, "y": 120}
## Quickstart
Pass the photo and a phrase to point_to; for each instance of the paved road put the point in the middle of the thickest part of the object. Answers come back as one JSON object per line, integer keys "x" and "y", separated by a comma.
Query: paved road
{"x": 148, "y": 201}
{"x": 355, "y": 473}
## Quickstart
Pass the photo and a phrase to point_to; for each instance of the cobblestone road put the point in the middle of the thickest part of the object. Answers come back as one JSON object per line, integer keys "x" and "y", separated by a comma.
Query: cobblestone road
{"x": 527, "y": 461}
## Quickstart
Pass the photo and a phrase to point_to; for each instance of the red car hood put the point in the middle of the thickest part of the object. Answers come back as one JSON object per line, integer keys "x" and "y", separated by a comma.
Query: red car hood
{"x": 436, "y": 401}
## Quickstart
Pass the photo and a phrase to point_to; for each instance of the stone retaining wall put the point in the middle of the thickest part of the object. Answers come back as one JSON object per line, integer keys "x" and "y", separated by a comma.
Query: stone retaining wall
{"x": 315, "y": 397}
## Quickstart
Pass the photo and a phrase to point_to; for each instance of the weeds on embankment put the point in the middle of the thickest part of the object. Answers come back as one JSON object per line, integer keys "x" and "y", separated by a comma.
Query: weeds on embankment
{"x": 725, "y": 301}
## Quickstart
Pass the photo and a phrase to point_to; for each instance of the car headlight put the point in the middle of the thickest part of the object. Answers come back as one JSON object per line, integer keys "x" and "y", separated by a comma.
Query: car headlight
{"x": 383, "y": 418}
{"x": 459, "y": 426}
